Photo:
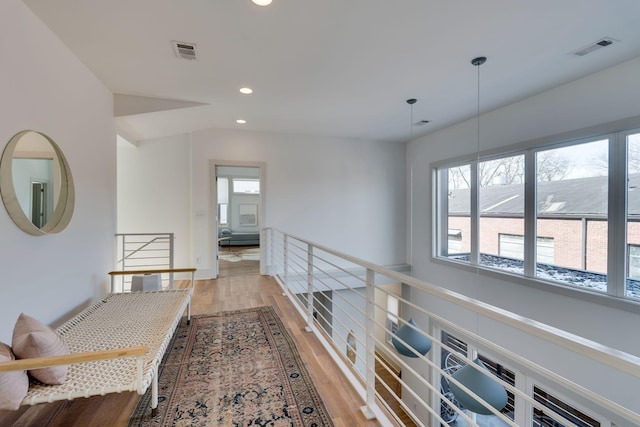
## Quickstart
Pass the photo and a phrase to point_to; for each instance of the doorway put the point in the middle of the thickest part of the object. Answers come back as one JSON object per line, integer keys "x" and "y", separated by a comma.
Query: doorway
{"x": 238, "y": 204}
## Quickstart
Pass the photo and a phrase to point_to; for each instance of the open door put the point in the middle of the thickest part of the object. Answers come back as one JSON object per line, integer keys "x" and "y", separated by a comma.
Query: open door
{"x": 237, "y": 199}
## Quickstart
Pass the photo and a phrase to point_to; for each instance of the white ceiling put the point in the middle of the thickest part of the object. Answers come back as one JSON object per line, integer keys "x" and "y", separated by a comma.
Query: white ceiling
{"x": 338, "y": 68}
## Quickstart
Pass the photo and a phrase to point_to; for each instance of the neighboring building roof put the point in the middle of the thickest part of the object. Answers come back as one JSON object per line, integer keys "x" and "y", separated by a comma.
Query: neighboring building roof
{"x": 579, "y": 197}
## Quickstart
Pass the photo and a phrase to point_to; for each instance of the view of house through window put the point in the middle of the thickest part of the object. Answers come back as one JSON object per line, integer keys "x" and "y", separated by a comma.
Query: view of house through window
{"x": 501, "y": 205}
{"x": 458, "y": 215}
{"x": 633, "y": 215}
{"x": 566, "y": 208}
{"x": 572, "y": 198}
{"x": 512, "y": 246}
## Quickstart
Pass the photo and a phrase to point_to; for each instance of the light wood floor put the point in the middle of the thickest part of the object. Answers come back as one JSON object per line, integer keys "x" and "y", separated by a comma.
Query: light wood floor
{"x": 228, "y": 293}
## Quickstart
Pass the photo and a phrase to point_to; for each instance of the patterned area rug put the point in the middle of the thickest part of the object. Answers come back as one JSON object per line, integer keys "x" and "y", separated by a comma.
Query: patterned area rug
{"x": 237, "y": 368}
{"x": 245, "y": 254}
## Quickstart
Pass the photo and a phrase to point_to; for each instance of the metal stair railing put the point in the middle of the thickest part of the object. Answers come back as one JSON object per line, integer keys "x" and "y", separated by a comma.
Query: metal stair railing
{"x": 342, "y": 299}
{"x": 143, "y": 251}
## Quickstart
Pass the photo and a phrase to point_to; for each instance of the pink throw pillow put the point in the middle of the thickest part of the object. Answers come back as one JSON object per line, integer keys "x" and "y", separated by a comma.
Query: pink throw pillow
{"x": 32, "y": 338}
{"x": 13, "y": 385}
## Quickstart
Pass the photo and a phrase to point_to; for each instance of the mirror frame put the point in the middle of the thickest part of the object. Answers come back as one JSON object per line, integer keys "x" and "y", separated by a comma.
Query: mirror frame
{"x": 66, "y": 200}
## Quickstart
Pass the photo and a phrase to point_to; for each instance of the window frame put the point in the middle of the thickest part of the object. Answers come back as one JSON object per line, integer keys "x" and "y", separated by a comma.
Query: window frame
{"x": 616, "y": 217}
{"x": 239, "y": 180}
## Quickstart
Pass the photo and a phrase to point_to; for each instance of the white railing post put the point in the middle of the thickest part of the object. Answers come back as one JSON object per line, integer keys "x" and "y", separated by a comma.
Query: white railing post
{"x": 285, "y": 261}
{"x": 171, "y": 260}
{"x": 270, "y": 259}
{"x": 309, "y": 326}
{"x": 370, "y": 384}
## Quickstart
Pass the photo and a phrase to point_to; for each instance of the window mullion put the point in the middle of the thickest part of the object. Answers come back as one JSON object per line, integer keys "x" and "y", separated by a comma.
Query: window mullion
{"x": 530, "y": 213}
{"x": 441, "y": 243}
{"x": 617, "y": 212}
{"x": 475, "y": 215}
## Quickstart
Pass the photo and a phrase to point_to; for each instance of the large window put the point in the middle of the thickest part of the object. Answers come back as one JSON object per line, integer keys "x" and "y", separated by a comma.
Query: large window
{"x": 632, "y": 285}
{"x": 571, "y": 199}
{"x": 558, "y": 409}
{"x": 501, "y": 205}
{"x": 546, "y": 213}
{"x": 458, "y": 182}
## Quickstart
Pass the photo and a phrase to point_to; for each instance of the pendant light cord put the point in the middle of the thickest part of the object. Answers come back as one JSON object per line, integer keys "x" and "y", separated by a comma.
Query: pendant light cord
{"x": 411, "y": 101}
{"x": 477, "y": 62}
{"x": 478, "y": 119}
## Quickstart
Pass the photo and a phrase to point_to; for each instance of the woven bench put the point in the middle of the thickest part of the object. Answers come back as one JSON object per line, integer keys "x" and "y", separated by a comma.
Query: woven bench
{"x": 115, "y": 345}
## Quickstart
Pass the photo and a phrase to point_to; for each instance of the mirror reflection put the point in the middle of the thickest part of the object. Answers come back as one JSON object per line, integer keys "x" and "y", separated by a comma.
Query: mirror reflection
{"x": 36, "y": 177}
{"x": 36, "y": 184}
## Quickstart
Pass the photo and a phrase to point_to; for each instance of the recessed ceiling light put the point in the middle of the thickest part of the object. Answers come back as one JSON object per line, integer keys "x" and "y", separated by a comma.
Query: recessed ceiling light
{"x": 241, "y": 121}
{"x": 262, "y": 2}
{"x": 246, "y": 90}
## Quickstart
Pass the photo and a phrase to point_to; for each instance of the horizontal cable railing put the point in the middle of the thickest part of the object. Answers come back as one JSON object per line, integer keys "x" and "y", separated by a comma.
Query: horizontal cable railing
{"x": 143, "y": 252}
{"x": 349, "y": 304}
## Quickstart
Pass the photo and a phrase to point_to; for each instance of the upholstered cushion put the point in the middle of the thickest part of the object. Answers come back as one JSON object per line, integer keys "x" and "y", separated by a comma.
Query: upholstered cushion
{"x": 31, "y": 338}
{"x": 13, "y": 385}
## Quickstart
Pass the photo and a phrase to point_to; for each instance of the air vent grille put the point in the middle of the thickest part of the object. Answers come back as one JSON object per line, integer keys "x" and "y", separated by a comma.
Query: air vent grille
{"x": 607, "y": 41}
{"x": 184, "y": 50}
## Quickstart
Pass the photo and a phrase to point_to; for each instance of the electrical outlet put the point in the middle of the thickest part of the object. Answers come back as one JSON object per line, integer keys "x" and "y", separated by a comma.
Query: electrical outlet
{"x": 197, "y": 260}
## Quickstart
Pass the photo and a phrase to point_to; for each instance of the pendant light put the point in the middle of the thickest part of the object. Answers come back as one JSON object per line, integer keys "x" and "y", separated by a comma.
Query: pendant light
{"x": 492, "y": 392}
{"x": 414, "y": 339}
{"x": 480, "y": 383}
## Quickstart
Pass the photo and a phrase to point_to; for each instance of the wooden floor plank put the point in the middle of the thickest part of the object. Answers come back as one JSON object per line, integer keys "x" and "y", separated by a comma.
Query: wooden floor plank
{"x": 223, "y": 294}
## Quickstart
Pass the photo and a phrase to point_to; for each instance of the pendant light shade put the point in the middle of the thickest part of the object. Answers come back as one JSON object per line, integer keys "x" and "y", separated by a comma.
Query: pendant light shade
{"x": 483, "y": 385}
{"x": 420, "y": 343}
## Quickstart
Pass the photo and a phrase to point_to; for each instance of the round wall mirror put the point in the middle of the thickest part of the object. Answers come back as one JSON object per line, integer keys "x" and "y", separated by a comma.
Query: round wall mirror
{"x": 36, "y": 184}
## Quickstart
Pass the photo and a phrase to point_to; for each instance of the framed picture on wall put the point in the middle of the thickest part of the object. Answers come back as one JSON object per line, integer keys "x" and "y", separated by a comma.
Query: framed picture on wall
{"x": 248, "y": 213}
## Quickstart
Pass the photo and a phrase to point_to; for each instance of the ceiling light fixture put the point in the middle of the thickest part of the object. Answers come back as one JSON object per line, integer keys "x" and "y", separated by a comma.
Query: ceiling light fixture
{"x": 262, "y": 2}
{"x": 241, "y": 121}
{"x": 246, "y": 90}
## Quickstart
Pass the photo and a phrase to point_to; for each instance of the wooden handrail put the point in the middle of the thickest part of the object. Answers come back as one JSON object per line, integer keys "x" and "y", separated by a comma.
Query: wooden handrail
{"x": 67, "y": 359}
{"x": 191, "y": 270}
{"x": 150, "y": 271}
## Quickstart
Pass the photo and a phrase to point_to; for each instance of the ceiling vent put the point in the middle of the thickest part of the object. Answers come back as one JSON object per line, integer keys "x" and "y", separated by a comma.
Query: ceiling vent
{"x": 607, "y": 41}
{"x": 184, "y": 50}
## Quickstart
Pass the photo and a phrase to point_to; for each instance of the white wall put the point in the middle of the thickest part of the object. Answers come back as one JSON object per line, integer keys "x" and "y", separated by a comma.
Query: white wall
{"x": 154, "y": 191}
{"x": 600, "y": 98}
{"x": 346, "y": 194}
{"x": 45, "y": 88}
